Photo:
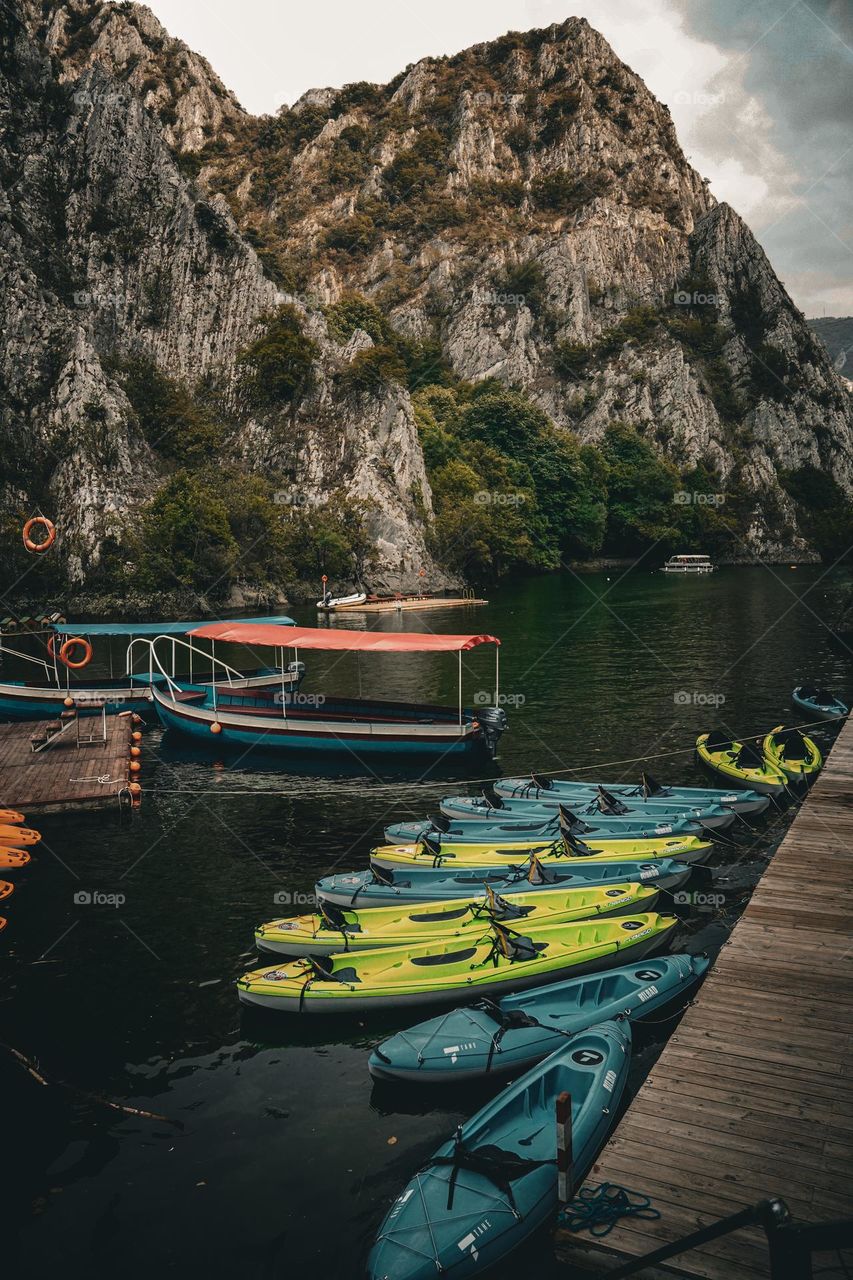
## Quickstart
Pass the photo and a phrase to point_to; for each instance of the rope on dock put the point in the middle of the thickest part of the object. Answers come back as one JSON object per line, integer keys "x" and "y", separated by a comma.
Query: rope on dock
{"x": 598, "y": 1209}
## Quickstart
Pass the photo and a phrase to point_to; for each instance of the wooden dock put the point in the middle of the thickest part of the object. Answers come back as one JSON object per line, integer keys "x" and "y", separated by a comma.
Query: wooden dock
{"x": 64, "y": 776}
{"x": 752, "y": 1097}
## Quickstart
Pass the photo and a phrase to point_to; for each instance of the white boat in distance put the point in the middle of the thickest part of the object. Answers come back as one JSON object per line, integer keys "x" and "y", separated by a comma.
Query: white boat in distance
{"x": 688, "y": 564}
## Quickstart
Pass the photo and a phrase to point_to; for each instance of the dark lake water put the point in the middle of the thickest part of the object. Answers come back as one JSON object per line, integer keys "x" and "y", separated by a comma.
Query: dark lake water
{"x": 286, "y": 1155}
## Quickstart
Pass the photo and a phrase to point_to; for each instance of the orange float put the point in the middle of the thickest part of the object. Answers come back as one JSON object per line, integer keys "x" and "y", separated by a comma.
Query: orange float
{"x": 12, "y": 859}
{"x": 10, "y": 835}
{"x": 216, "y": 727}
{"x": 68, "y": 648}
{"x": 41, "y": 522}
{"x": 6, "y": 889}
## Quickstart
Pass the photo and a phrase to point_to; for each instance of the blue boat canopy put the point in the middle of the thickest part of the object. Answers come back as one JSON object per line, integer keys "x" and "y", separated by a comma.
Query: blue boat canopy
{"x": 151, "y": 628}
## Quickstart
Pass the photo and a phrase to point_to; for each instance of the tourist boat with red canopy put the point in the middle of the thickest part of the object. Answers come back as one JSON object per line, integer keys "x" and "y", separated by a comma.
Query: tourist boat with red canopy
{"x": 282, "y": 720}
{"x": 64, "y": 678}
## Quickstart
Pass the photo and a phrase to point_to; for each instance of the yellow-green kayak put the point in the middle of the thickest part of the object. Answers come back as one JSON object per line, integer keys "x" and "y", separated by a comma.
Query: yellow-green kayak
{"x": 740, "y": 763}
{"x": 797, "y": 756}
{"x": 335, "y": 929}
{"x": 454, "y": 970}
{"x": 684, "y": 848}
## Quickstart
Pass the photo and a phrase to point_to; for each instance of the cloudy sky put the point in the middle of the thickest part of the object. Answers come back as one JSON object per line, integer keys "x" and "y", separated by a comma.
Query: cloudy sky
{"x": 761, "y": 91}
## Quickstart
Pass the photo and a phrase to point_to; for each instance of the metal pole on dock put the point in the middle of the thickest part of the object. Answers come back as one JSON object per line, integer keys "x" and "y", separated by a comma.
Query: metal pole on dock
{"x": 460, "y": 690}
{"x": 565, "y": 1159}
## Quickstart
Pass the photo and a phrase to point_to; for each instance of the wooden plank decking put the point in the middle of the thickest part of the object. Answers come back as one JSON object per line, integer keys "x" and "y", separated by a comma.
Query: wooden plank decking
{"x": 64, "y": 776}
{"x": 753, "y": 1094}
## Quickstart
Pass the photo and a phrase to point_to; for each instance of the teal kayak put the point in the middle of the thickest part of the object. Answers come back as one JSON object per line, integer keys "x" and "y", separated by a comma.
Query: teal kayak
{"x": 494, "y": 1183}
{"x": 512, "y": 1034}
{"x": 603, "y": 806}
{"x": 505, "y": 829}
{"x": 375, "y": 888}
{"x": 538, "y": 787}
{"x": 819, "y": 703}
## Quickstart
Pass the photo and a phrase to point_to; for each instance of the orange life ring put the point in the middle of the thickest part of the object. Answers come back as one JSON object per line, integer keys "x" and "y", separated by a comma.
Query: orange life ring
{"x": 50, "y": 534}
{"x": 67, "y": 648}
{"x": 51, "y": 648}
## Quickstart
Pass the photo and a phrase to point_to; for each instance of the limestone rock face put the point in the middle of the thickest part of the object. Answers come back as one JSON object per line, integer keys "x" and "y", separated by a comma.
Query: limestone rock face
{"x": 546, "y": 200}
{"x": 131, "y": 46}
{"x": 525, "y": 203}
{"x": 108, "y": 250}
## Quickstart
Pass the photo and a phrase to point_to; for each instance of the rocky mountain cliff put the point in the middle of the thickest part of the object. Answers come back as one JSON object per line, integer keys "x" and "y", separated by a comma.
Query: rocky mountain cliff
{"x": 111, "y": 252}
{"x": 519, "y": 212}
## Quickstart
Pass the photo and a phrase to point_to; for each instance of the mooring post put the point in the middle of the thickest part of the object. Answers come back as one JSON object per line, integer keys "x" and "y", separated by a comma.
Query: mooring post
{"x": 565, "y": 1161}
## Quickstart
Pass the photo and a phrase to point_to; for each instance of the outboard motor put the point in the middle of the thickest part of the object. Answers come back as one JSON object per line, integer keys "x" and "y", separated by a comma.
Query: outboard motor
{"x": 493, "y": 722}
{"x": 296, "y": 669}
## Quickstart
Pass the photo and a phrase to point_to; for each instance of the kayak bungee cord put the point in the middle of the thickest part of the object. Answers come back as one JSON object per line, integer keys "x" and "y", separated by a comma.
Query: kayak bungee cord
{"x": 422, "y": 785}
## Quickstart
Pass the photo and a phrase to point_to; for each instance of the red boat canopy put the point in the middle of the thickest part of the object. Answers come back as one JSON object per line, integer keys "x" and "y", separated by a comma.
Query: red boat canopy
{"x": 250, "y": 633}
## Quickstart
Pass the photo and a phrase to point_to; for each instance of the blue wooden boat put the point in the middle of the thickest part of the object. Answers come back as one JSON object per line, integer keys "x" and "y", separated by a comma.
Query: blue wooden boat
{"x": 561, "y": 790}
{"x": 351, "y": 727}
{"x": 377, "y": 887}
{"x": 46, "y": 696}
{"x": 494, "y": 1184}
{"x": 818, "y": 703}
{"x": 513, "y": 1033}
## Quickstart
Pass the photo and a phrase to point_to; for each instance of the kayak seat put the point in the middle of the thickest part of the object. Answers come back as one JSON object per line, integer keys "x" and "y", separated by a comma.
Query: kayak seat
{"x": 512, "y": 912}
{"x": 749, "y": 758}
{"x": 793, "y": 745}
{"x": 444, "y": 958}
{"x": 527, "y": 949}
{"x": 321, "y": 974}
{"x": 717, "y": 741}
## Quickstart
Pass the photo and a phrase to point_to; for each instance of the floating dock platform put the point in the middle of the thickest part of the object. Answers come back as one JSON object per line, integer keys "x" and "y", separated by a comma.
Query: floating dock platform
{"x": 393, "y": 605}
{"x": 63, "y": 775}
{"x": 752, "y": 1097}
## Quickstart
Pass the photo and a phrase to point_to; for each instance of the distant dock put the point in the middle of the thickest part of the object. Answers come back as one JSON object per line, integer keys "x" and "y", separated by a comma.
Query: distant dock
{"x": 397, "y": 604}
{"x": 752, "y": 1097}
{"x": 63, "y": 776}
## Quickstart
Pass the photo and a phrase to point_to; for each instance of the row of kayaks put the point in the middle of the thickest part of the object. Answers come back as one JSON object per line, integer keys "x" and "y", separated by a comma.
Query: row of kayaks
{"x": 15, "y": 839}
{"x": 533, "y": 915}
{"x": 473, "y": 907}
{"x": 540, "y": 940}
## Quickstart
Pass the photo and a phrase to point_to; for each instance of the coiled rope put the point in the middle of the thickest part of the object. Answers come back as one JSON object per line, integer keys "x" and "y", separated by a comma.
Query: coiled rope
{"x": 598, "y": 1209}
